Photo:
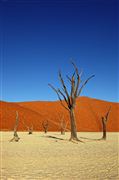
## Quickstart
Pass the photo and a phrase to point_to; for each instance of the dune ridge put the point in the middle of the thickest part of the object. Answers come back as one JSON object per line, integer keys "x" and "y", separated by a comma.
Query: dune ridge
{"x": 88, "y": 115}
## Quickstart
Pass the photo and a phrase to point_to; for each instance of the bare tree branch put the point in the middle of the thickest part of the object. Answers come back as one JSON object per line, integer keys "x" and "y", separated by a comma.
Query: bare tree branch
{"x": 55, "y": 91}
{"x": 84, "y": 84}
{"x": 78, "y": 79}
{"x": 64, "y": 87}
{"x": 73, "y": 90}
{"x": 70, "y": 97}
{"x": 68, "y": 78}
{"x": 107, "y": 114}
{"x": 58, "y": 97}
{"x": 64, "y": 97}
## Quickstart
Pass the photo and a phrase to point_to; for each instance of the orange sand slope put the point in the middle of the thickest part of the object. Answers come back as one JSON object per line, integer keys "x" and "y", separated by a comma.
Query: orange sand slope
{"x": 88, "y": 115}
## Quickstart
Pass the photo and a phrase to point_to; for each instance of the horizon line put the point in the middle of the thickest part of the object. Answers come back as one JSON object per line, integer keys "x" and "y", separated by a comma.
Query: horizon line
{"x": 58, "y": 100}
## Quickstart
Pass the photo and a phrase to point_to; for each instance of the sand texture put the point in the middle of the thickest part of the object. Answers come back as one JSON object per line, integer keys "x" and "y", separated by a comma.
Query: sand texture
{"x": 41, "y": 156}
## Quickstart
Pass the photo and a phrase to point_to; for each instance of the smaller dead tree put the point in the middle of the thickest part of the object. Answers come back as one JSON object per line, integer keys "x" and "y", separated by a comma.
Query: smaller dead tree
{"x": 104, "y": 124}
{"x": 16, "y": 137}
{"x": 63, "y": 124}
{"x": 45, "y": 125}
{"x": 63, "y": 127}
{"x": 29, "y": 128}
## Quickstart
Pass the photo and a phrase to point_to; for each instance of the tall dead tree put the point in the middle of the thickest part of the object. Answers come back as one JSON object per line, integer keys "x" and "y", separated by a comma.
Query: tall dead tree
{"x": 45, "y": 125}
{"x": 104, "y": 124}
{"x": 69, "y": 98}
{"x": 16, "y": 137}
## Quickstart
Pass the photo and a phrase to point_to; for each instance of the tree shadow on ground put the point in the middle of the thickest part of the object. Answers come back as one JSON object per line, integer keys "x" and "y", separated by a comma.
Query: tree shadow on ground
{"x": 56, "y": 138}
{"x": 53, "y": 137}
{"x": 91, "y": 139}
{"x": 73, "y": 141}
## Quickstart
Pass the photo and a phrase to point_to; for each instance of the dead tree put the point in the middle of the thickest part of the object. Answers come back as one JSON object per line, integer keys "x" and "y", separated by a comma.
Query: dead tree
{"x": 104, "y": 124}
{"x": 30, "y": 129}
{"x": 45, "y": 125}
{"x": 63, "y": 124}
{"x": 69, "y": 98}
{"x": 16, "y": 137}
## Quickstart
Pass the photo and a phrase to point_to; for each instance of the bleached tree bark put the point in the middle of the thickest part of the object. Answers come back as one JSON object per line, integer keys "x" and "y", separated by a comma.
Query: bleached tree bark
{"x": 16, "y": 137}
{"x": 69, "y": 98}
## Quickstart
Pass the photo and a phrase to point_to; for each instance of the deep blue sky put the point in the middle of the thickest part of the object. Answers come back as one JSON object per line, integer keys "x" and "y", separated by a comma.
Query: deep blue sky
{"x": 40, "y": 37}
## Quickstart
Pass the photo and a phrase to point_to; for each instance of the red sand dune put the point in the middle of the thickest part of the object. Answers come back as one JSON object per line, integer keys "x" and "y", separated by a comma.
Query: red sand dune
{"x": 88, "y": 115}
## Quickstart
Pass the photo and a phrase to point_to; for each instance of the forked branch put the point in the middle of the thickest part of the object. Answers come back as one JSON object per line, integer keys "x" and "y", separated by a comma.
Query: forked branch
{"x": 57, "y": 92}
{"x": 83, "y": 85}
{"x": 107, "y": 114}
{"x": 64, "y": 88}
{"x": 70, "y": 97}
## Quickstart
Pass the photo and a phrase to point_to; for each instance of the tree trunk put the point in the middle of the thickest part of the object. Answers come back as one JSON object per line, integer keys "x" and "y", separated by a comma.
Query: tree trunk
{"x": 30, "y": 132}
{"x": 45, "y": 131}
{"x": 15, "y": 138}
{"x": 62, "y": 131}
{"x": 104, "y": 128}
{"x": 63, "y": 127}
{"x": 73, "y": 125}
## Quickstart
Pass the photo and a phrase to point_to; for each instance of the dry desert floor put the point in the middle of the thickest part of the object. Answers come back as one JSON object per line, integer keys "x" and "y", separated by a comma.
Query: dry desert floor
{"x": 48, "y": 157}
